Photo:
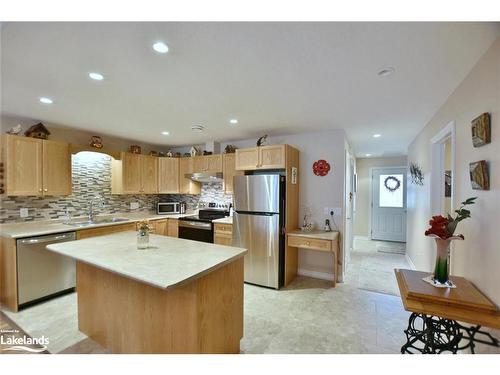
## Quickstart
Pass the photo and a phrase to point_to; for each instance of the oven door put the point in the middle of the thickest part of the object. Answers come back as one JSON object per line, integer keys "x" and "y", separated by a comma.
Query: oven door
{"x": 196, "y": 230}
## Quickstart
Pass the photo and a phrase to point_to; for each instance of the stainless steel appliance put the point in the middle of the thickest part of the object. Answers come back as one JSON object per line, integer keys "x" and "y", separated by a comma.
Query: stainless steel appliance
{"x": 258, "y": 226}
{"x": 165, "y": 208}
{"x": 200, "y": 227}
{"x": 41, "y": 273}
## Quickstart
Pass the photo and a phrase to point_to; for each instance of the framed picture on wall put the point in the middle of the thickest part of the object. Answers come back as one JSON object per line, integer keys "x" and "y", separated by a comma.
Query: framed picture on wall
{"x": 481, "y": 130}
{"x": 447, "y": 184}
{"x": 479, "y": 177}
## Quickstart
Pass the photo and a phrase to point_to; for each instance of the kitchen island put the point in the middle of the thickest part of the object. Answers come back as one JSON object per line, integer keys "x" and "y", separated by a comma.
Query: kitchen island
{"x": 177, "y": 296}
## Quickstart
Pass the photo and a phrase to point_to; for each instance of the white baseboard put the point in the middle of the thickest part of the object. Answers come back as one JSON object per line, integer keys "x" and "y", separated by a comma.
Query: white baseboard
{"x": 356, "y": 237}
{"x": 410, "y": 262}
{"x": 315, "y": 274}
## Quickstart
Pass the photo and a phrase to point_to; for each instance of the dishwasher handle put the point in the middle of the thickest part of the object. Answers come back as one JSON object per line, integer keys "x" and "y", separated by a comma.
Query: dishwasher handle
{"x": 37, "y": 240}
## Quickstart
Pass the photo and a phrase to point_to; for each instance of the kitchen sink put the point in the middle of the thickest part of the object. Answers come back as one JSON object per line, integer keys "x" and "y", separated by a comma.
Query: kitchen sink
{"x": 107, "y": 220}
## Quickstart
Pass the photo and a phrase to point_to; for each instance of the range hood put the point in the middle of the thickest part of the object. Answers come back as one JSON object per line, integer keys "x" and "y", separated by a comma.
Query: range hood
{"x": 205, "y": 177}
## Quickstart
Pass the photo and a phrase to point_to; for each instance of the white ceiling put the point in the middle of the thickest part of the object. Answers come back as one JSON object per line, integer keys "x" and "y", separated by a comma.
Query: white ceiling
{"x": 275, "y": 78}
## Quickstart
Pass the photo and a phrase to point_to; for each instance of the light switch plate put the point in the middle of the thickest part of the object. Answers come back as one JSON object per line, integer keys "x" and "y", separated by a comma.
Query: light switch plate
{"x": 23, "y": 212}
{"x": 134, "y": 205}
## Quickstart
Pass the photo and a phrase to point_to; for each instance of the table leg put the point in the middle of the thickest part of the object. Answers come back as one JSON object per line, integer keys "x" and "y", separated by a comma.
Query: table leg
{"x": 335, "y": 268}
{"x": 428, "y": 334}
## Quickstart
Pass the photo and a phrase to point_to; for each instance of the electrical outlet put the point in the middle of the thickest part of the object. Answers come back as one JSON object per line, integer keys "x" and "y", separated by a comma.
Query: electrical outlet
{"x": 337, "y": 211}
{"x": 23, "y": 212}
{"x": 134, "y": 205}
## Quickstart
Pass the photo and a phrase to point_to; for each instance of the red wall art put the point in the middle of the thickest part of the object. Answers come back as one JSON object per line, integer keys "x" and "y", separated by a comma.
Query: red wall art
{"x": 321, "y": 168}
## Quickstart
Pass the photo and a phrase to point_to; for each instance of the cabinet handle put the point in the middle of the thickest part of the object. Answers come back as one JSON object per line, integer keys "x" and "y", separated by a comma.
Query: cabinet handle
{"x": 308, "y": 243}
{"x": 45, "y": 190}
{"x": 40, "y": 190}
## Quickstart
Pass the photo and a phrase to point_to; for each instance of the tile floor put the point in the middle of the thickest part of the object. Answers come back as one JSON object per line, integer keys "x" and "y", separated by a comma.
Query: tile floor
{"x": 309, "y": 316}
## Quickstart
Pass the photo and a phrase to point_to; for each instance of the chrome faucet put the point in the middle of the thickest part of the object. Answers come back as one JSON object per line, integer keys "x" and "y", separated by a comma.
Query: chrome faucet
{"x": 91, "y": 214}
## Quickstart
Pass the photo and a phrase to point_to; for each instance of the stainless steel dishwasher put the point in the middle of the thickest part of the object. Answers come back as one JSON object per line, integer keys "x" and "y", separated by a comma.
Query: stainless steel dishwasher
{"x": 41, "y": 273}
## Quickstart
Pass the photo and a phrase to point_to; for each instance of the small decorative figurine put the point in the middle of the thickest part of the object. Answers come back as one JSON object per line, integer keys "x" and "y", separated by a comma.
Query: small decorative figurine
{"x": 38, "y": 131}
{"x": 135, "y": 149}
{"x": 230, "y": 149}
{"x": 153, "y": 153}
{"x": 15, "y": 130}
{"x": 205, "y": 152}
{"x": 96, "y": 141}
{"x": 262, "y": 141}
{"x": 194, "y": 151}
{"x": 169, "y": 154}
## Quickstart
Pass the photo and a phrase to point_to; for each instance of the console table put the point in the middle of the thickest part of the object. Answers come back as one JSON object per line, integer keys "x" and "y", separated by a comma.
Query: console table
{"x": 433, "y": 326}
{"x": 319, "y": 241}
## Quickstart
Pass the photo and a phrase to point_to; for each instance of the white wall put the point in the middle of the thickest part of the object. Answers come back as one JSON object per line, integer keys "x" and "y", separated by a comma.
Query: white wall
{"x": 363, "y": 209}
{"x": 478, "y": 257}
{"x": 315, "y": 192}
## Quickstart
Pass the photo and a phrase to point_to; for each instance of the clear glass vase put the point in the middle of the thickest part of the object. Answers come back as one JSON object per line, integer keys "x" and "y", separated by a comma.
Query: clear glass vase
{"x": 142, "y": 239}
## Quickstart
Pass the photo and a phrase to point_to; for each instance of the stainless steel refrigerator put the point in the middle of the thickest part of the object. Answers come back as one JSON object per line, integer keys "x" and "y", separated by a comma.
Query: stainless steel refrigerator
{"x": 258, "y": 225}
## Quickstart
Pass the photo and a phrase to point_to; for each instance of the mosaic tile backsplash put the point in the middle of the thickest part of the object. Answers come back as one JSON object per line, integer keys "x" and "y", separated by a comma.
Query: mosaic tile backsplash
{"x": 92, "y": 180}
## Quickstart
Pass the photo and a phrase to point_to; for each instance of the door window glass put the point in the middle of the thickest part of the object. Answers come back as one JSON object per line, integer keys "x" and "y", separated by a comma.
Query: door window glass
{"x": 391, "y": 190}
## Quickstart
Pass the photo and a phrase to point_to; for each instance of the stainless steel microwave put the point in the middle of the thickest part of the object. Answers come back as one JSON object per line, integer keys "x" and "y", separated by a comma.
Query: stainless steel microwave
{"x": 165, "y": 208}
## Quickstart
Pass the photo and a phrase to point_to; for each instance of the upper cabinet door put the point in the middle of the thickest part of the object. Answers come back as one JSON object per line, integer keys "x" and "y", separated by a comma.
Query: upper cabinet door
{"x": 229, "y": 172}
{"x": 23, "y": 165}
{"x": 56, "y": 168}
{"x": 149, "y": 174}
{"x": 214, "y": 163}
{"x": 168, "y": 175}
{"x": 199, "y": 164}
{"x": 272, "y": 157}
{"x": 247, "y": 159}
{"x": 131, "y": 173}
{"x": 187, "y": 186}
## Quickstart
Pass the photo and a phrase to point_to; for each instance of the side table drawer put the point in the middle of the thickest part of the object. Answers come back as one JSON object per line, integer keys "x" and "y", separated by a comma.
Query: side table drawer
{"x": 309, "y": 243}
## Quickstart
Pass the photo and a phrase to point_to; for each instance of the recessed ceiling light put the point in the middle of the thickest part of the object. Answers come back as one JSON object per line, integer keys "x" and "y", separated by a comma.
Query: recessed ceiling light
{"x": 165, "y": 133}
{"x": 197, "y": 128}
{"x": 160, "y": 47}
{"x": 377, "y": 135}
{"x": 368, "y": 155}
{"x": 233, "y": 121}
{"x": 386, "y": 72}
{"x": 46, "y": 100}
{"x": 96, "y": 76}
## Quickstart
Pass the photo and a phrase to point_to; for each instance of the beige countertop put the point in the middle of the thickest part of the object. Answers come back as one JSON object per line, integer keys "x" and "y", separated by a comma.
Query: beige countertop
{"x": 319, "y": 234}
{"x": 167, "y": 263}
{"x": 224, "y": 220}
{"x": 43, "y": 227}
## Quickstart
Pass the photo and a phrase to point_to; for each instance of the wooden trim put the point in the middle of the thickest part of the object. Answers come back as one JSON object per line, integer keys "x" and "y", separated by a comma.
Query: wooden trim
{"x": 292, "y": 213}
{"x": 8, "y": 274}
{"x": 75, "y": 149}
{"x": 101, "y": 231}
{"x": 126, "y": 316}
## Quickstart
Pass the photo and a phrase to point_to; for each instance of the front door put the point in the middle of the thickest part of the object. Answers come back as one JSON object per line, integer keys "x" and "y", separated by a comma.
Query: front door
{"x": 389, "y": 204}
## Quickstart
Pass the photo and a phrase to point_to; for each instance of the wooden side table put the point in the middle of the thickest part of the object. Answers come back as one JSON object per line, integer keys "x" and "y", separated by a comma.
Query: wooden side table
{"x": 319, "y": 241}
{"x": 435, "y": 324}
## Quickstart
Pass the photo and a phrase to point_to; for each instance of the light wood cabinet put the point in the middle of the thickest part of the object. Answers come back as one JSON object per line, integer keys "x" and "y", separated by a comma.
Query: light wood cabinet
{"x": 229, "y": 171}
{"x": 264, "y": 157}
{"x": 208, "y": 163}
{"x": 187, "y": 186}
{"x": 223, "y": 234}
{"x": 168, "y": 176}
{"x": 173, "y": 228}
{"x": 134, "y": 174}
{"x": 101, "y": 231}
{"x": 36, "y": 167}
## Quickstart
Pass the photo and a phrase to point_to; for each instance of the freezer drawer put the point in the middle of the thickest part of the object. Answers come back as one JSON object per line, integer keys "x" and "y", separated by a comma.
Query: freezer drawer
{"x": 257, "y": 193}
{"x": 40, "y": 272}
{"x": 260, "y": 235}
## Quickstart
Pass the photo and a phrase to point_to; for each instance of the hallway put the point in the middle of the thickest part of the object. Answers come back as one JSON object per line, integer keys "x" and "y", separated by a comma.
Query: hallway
{"x": 372, "y": 265}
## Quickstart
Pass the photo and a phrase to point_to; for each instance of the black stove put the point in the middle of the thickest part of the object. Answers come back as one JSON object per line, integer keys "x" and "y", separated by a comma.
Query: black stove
{"x": 200, "y": 227}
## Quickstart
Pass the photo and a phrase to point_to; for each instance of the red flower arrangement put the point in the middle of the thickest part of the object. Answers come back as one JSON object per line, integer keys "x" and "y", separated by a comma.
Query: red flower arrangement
{"x": 443, "y": 227}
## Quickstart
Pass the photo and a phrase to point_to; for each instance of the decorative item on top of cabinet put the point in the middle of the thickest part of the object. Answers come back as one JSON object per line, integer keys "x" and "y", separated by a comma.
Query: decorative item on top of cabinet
{"x": 229, "y": 171}
{"x": 194, "y": 151}
{"x": 135, "y": 149}
{"x": 262, "y": 141}
{"x": 96, "y": 142}
{"x": 37, "y": 131}
{"x": 481, "y": 130}
{"x": 153, "y": 153}
{"x": 15, "y": 130}
{"x": 35, "y": 167}
{"x": 230, "y": 149}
